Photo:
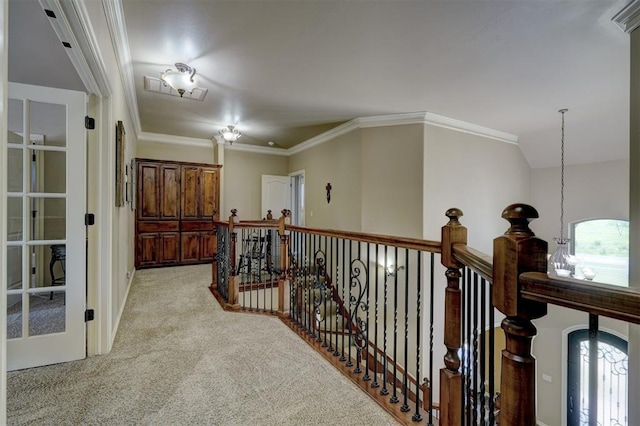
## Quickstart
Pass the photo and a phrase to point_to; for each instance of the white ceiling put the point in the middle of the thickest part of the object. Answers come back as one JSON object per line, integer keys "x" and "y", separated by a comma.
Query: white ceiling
{"x": 285, "y": 71}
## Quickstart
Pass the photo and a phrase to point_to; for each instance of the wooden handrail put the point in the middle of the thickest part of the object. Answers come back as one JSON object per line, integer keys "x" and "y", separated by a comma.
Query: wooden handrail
{"x": 474, "y": 259}
{"x": 400, "y": 242}
{"x": 608, "y": 300}
{"x": 260, "y": 224}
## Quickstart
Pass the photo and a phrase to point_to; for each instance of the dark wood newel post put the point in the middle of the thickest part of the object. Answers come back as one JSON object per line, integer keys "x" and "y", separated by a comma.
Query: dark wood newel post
{"x": 234, "y": 285}
{"x": 283, "y": 286}
{"x": 450, "y": 379}
{"x": 214, "y": 263}
{"x": 518, "y": 251}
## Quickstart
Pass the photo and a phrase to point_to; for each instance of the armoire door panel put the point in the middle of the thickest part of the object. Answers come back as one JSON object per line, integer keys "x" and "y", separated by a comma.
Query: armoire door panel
{"x": 147, "y": 249}
{"x": 170, "y": 192}
{"x": 209, "y": 189}
{"x": 148, "y": 186}
{"x": 190, "y": 247}
{"x": 190, "y": 192}
{"x": 207, "y": 246}
{"x": 170, "y": 242}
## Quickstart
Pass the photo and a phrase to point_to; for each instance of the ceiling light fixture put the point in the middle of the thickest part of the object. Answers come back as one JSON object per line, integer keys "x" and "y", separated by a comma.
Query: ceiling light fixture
{"x": 562, "y": 263}
{"x": 230, "y": 134}
{"x": 182, "y": 80}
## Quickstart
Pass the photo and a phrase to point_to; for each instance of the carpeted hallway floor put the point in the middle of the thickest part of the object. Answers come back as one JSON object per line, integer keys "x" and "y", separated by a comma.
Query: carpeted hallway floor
{"x": 179, "y": 359}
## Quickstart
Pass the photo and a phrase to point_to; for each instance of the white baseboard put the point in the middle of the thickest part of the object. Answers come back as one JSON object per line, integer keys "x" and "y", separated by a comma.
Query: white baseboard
{"x": 539, "y": 423}
{"x": 124, "y": 303}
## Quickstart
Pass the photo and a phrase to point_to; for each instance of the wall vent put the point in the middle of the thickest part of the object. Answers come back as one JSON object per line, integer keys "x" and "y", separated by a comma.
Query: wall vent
{"x": 152, "y": 84}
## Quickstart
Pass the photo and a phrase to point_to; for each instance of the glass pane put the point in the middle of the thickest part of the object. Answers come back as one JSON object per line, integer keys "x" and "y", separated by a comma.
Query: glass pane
{"x": 50, "y": 217}
{"x": 14, "y": 316}
{"x": 15, "y": 114}
{"x": 14, "y": 170}
{"x": 14, "y": 267}
{"x": 48, "y": 264}
{"x": 49, "y": 121}
{"x": 47, "y": 313}
{"x": 601, "y": 247}
{"x": 14, "y": 219}
{"x": 48, "y": 171}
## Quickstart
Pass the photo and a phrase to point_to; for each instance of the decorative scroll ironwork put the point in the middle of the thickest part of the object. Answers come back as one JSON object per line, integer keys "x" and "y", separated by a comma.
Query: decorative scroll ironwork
{"x": 358, "y": 307}
{"x": 222, "y": 259}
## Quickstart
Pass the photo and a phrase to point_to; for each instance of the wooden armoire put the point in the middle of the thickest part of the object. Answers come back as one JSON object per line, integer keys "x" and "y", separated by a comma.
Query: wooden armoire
{"x": 175, "y": 209}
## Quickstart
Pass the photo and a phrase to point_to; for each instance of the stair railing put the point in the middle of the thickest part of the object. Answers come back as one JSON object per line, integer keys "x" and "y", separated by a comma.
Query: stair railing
{"x": 344, "y": 292}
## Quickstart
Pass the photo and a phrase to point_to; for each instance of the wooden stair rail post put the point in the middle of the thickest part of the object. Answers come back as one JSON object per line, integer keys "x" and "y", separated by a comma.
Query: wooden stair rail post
{"x": 234, "y": 284}
{"x": 283, "y": 285}
{"x": 517, "y": 251}
{"x": 214, "y": 262}
{"x": 450, "y": 378}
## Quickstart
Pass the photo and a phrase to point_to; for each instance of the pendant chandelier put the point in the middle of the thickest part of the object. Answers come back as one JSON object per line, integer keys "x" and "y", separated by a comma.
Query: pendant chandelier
{"x": 562, "y": 264}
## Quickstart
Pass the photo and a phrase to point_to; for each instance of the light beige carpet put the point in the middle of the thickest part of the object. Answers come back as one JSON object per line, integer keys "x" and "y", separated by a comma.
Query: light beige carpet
{"x": 179, "y": 359}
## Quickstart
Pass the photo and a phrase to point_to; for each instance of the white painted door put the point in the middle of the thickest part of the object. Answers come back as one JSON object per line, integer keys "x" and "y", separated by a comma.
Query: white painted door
{"x": 276, "y": 195}
{"x": 46, "y": 178}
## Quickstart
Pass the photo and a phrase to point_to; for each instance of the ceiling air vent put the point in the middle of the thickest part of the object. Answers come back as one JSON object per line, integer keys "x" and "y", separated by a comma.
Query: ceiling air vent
{"x": 152, "y": 84}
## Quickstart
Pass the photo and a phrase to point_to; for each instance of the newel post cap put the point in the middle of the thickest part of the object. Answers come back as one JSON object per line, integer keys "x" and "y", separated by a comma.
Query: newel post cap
{"x": 515, "y": 252}
{"x": 452, "y": 233}
{"x": 519, "y": 216}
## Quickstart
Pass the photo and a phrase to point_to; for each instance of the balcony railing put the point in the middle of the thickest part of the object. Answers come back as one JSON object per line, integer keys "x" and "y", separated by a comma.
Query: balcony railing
{"x": 367, "y": 303}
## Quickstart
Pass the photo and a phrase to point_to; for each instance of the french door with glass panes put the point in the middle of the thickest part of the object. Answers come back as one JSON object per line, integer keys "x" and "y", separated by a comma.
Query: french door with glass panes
{"x": 46, "y": 252}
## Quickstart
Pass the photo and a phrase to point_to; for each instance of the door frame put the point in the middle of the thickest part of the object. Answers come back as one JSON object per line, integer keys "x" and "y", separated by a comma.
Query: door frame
{"x": 295, "y": 196}
{"x": 4, "y": 46}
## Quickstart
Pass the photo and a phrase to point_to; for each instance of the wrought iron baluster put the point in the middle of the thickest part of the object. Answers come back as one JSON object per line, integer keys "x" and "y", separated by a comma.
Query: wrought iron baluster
{"x": 375, "y": 383}
{"x": 325, "y": 276}
{"x": 431, "y": 309}
{"x": 384, "y": 390}
{"x": 350, "y": 319}
{"x": 405, "y": 404}
{"x": 344, "y": 309}
{"x": 394, "y": 399}
{"x": 492, "y": 344}
{"x": 474, "y": 337}
{"x": 366, "y": 376}
{"x": 417, "y": 417}
{"x": 483, "y": 348}
{"x": 467, "y": 351}
{"x": 337, "y": 292}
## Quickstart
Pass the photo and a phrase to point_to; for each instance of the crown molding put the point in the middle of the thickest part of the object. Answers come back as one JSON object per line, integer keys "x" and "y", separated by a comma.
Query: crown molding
{"x": 403, "y": 120}
{"x": 474, "y": 129}
{"x": 628, "y": 19}
{"x": 174, "y": 140}
{"x": 256, "y": 149}
{"x": 342, "y": 129}
{"x": 422, "y": 118}
{"x": 118, "y": 31}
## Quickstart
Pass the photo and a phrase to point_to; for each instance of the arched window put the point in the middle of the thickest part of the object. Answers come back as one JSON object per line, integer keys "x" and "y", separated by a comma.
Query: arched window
{"x": 602, "y": 245}
{"x": 612, "y": 359}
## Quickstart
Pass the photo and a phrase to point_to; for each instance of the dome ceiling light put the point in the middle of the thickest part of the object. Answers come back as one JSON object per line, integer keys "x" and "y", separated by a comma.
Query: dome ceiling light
{"x": 181, "y": 81}
{"x": 230, "y": 134}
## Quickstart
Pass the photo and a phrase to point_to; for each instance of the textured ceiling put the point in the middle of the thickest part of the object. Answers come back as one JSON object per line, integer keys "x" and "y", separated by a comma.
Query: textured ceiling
{"x": 285, "y": 71}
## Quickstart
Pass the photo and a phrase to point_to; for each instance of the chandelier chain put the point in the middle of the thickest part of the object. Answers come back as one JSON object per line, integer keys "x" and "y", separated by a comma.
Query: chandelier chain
{"x": 562, "y": 111}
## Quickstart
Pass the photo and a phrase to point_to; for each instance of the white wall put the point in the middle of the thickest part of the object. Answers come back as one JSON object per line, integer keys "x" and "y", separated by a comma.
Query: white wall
{"x": 480, "y": 176}
{"x": 338, "y": 162}
{"x": 243, "y": 182}
{"x": 591, "y": 191}
{"x": 122, "y": 222}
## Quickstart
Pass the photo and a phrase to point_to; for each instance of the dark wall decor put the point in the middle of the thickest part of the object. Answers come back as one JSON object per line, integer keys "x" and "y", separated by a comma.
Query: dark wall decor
{"x": 120, "y": 172}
